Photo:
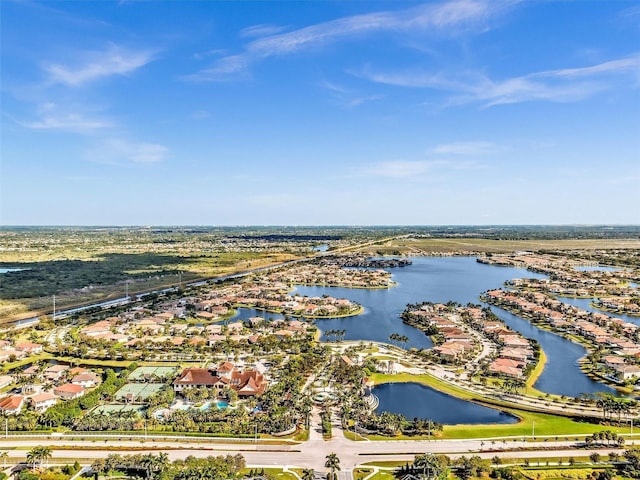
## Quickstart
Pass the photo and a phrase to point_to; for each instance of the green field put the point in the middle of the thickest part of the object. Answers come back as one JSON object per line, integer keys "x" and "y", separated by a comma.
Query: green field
{"x": 419, "y": 246}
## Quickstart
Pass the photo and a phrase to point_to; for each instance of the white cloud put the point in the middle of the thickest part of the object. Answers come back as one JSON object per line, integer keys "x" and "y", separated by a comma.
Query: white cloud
{"x": 53, "y": 117}
{"x": 223, "y": 69}
{"x": 114, "y": 60}
{"x": 116, "y": 150}
{"x": 562, "y": 85}
{"x": 416, "y": 169}
{"x": 468, "y": 148}
{"x": 402, "y": 168}
{"x": 446, "y": 16}
{"x": 261, "y": 30}
{"x": 71, "y": 122}
{"x": 347, "y": 97}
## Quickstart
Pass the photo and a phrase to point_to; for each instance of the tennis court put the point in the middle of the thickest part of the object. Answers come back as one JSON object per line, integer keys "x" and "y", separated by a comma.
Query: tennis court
{"x": 152, "y": 373}
{"x": 137, "y": 392}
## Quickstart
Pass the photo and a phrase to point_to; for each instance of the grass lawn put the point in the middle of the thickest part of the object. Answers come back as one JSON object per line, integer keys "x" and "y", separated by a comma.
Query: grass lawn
{"x": 383, "y": 475}
{"x": 27, "y": 361}
{"x": 545, "y": 424}
{"x": 95, "y": 362}
{"x": 360, "y": 473}
{"x": 275, "y": 472}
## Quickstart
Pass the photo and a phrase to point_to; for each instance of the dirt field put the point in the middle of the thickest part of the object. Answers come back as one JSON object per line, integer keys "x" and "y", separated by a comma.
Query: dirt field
{"x": 417, "y": 246}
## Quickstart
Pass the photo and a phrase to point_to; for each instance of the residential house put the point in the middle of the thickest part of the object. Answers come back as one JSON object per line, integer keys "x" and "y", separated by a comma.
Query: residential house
{"x": 69, "y": 391}
{"x": 29, "y": 347}
{"x": 12, "y": 404}
{"x": 42, "y": 401}
{"x": 246, "y": 384}
{"x": 55, "y": 372}
{"x": 5, "y": 380}
{"x": 86, "y": 380}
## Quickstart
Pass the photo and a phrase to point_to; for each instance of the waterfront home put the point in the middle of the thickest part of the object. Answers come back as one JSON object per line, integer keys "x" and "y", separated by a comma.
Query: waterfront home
{"x": 86, "y": 379}
{"x": 522, "y": 355}
{"x": 612, "y": 361}
{"x": 451, "y": 350}
{"x": 69, "y": 391}
{"x": 514, "y": 341}
{"x": 55, "y": 372}
{"x": 627, "y": 372}
{"x": 505, "y": 366}
{"x": 206, "y": 315}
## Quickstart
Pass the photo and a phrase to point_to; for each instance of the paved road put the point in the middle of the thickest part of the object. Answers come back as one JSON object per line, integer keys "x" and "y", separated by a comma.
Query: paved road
{"x": 310, "y": 454}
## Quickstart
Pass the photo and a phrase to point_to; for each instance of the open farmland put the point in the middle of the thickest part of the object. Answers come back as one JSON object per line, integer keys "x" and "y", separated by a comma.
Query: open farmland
{"x": 427, "y": 246}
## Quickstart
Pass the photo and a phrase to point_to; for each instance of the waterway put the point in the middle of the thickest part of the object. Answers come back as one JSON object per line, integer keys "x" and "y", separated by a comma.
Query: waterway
{"x": 9, "y": 270}
{"x": 243, "y": 314}
{"x": 561, "y": 374}
{"x": 598, "y": 269}
{"x": 462, "y": 280}
{"x": 434, "y": 405}
{"x": 584, "y": 304}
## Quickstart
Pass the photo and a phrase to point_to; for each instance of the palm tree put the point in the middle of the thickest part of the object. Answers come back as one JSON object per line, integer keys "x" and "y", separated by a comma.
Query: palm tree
{"x": 162, "y": 463}
{"x": 332, "y": 463}
{"x": 45, "y": 454}
{"x": 38, "y": 455}
{"x": 308, "y": 474}
{"x": 428, "y": 463}
{"x": 99, "y": 467}
{"x": 32, "y": 457}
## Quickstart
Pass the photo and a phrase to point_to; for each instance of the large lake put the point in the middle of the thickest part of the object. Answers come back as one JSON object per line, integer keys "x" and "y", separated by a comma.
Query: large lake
{"x": 462, "y": 280}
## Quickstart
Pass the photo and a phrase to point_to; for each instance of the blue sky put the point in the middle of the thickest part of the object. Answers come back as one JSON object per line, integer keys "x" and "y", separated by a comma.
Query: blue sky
{"x": 303, "y": 113}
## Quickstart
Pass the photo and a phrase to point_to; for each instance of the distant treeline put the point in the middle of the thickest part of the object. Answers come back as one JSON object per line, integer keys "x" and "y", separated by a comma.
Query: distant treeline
{"x": 328, "y": 233}
{"x": 40, "y": 279}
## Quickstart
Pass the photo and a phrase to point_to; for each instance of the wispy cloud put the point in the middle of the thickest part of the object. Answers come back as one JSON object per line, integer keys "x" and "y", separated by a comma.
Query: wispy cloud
{"x": 415, "y": 169}
{"x": 118, "y": 151}
{"x": 261, "y": 30}
{"x": 347, "y": 97}
{"x": 51, "y": 117}
{"x": 446, "y": 16}
{"x": 70, "y": 122}
{"x": 562, "y": 85}
{"x": 114, "y": 60}
{"x": 468, "y": 148}
{"x": 401, "y": 168}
